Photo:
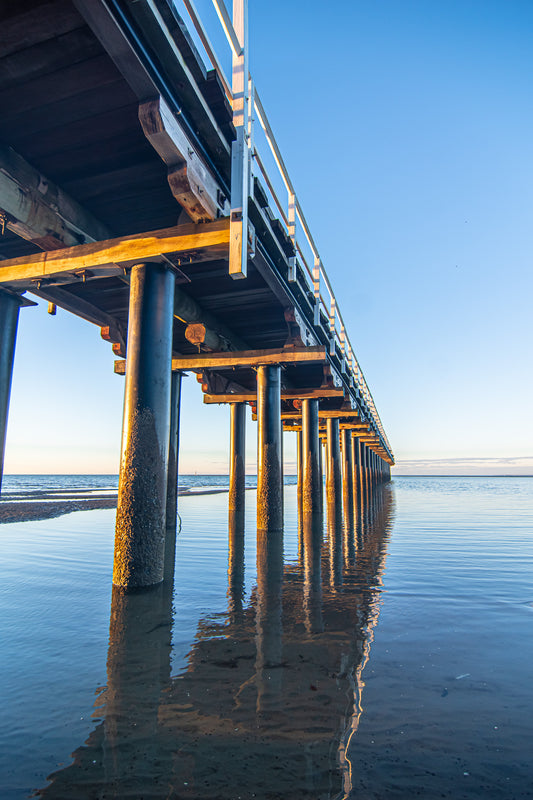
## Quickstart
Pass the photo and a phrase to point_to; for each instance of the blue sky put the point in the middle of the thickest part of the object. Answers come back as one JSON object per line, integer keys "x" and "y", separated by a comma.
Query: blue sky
{"x": 407, "y": 128}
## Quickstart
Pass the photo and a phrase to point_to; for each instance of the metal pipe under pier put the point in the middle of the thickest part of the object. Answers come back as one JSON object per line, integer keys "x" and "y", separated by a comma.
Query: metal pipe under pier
{"x": 142, "y": 494}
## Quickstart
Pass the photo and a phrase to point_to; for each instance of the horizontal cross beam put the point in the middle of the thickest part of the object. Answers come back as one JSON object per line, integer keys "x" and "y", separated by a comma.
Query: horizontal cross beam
{"x": 246, "y": 359}
{"x": 207, "y": 240}
{"x": 251, "y": 358}
{"x": 286, "y": 394}
{"x": 359, "y": 433}
{"x": 324, "y": 414}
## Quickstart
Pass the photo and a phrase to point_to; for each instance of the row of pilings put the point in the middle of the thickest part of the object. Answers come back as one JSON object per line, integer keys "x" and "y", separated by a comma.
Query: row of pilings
{"x": 148, "y": 469}
{"x": 148, "y": 476}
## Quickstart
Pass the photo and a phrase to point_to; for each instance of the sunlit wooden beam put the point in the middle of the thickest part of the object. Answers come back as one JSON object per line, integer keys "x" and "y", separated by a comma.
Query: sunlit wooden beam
{"x": 207, "y": 240}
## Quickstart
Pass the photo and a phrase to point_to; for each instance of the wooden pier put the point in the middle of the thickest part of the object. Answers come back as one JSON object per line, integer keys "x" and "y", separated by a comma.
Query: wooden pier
{"x": 133, "y": 195}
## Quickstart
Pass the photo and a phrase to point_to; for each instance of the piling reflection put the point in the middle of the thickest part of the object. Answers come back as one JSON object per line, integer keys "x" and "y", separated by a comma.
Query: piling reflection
{"x": 313, "y": 528}
{"x": 236, "y": 564}
{"x": 256, "y": 711}
{"x": 335, "y": 544}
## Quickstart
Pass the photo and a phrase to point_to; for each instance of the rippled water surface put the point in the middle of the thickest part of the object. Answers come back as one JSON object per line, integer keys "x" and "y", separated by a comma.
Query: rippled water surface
{"x": 384, "y": 656}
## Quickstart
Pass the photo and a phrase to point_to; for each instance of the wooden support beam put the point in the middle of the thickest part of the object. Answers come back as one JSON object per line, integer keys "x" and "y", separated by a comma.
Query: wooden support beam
{"x": 209, "y": 240}
{"x": 251, "y": 358}
{"x": 39, "y": 211}
{"x": 244, "y": 359}
{"x": 81, "y": 308}
{"x": 324, "y": 414}
{"x": 197, "y": 333}
{"x": 191, "y": 183}
{"x": 288, "y": 425}
{"x": 286, "y": 394}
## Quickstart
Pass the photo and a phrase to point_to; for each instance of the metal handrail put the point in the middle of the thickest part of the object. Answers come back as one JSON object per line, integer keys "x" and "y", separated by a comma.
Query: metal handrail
{"x": 336, "y": 323}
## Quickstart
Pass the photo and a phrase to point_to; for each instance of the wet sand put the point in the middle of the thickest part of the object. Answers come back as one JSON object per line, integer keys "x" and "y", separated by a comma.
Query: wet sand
{"x": 44, "y": 506}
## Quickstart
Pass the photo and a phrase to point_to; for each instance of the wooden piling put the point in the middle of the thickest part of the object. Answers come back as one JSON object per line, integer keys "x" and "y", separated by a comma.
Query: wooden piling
{"x": 269, "y": 468}
{"x": 142, "y": 495}
{"x": 9, "y": 314}
{"x": 237, "y": 456}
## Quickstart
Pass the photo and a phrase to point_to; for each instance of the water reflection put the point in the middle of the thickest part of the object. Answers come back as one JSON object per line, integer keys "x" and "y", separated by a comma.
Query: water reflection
{"x": 256, "y": 712}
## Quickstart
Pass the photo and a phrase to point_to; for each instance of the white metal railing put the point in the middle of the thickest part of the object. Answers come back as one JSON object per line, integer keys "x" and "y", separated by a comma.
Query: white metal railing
{"x": 247, "y": 108}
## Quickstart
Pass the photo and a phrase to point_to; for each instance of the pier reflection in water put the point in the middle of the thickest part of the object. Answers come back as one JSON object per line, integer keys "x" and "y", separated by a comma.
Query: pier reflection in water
{"x": 271, "y": 696}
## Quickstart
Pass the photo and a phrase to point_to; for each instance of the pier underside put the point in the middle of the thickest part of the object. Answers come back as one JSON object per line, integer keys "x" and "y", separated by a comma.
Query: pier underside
{"x": 117, "y": 159}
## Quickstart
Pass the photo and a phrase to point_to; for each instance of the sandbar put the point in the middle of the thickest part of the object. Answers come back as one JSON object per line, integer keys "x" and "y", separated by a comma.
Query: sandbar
{"x": 44, "y": 507}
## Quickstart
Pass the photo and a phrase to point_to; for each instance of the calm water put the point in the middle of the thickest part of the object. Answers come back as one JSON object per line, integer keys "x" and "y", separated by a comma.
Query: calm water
{"x": 390, "y": 659}
{"x": 24, "y": 486}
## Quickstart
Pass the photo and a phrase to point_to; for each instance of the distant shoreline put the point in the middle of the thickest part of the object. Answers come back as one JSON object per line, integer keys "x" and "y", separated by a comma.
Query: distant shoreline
{"x": 33, "y": 510}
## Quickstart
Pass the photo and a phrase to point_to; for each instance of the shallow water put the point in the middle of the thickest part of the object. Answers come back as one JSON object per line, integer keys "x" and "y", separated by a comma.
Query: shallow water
{"x": 385, "y": 661}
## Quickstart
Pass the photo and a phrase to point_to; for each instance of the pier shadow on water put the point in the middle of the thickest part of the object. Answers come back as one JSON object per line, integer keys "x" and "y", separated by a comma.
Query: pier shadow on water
{"x": 271, "y": 694}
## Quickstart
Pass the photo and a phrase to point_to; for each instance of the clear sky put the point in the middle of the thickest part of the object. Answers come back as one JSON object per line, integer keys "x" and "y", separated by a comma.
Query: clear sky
{"x": 407, "y": 127}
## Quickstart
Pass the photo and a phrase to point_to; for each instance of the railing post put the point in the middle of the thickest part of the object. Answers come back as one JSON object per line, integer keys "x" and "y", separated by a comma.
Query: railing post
{"x": 240, "y": 150}
{"x": 332, "y": 312}
{"x": 292, "y": 234}
{"x": 316, "y": 290}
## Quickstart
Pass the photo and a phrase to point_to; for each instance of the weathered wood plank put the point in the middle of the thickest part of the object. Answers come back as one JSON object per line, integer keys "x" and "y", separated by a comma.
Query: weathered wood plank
{"x": 286, "y": 394}
{"x": 203, "y": 240}
{"x": 29, "y": 25}
{"x": 48, "y": 56}
{"x": 190, "y": 181}
{"x": 251, "y": 358}
{"x": 40, "y": 211}
{"x": 81, "y": 308}
{"x": 76, "y": 78}
{"x": 324, "y": 414}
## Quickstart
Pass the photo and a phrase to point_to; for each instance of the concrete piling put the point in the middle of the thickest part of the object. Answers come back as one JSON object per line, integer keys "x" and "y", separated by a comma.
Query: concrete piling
{"x": 142, "y": 496}
{"x": 333, "y": 465}
{"x": 237, "y": 456}
{"x": 347, "y": 473}
{"x": 9, "y": 314}
{"x": 311, "y": 471}
{"x": 269, "y": 467}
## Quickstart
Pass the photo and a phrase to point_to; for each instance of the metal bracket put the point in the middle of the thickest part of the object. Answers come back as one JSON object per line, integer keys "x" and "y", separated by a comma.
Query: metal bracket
{"x": 292, "y": 269}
